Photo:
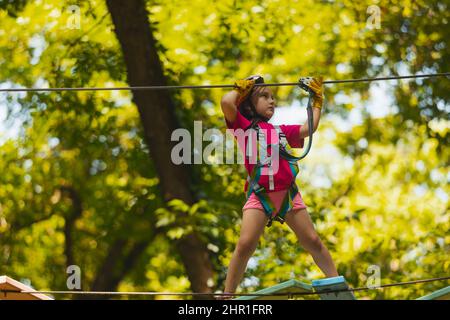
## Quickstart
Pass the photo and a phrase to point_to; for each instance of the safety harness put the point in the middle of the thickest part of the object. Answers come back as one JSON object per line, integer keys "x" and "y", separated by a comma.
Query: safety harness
{"x": 265, "y": 161}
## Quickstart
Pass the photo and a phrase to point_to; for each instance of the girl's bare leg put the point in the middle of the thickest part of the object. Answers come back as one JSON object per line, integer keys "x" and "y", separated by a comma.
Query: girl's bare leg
{"x": 253, "y": 224}
{"x": 300, "y": 222}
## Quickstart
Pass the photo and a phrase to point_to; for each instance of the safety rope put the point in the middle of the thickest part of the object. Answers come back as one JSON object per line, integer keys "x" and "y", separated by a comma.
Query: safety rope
{"x": 429, "y": 75}
{"x": 289, "y": 294}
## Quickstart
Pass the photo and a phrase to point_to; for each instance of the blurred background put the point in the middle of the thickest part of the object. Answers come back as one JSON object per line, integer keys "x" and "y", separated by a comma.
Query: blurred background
{"x": 86, "y": 177}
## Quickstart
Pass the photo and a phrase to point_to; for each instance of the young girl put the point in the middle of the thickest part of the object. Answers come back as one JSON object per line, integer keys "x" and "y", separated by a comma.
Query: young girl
{"x": 249, "y": 106}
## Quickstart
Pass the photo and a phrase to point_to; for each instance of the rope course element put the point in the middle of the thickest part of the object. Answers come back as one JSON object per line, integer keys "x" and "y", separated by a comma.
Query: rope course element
{"x": 289, "y": 294}
{"x": 429, "y": 75}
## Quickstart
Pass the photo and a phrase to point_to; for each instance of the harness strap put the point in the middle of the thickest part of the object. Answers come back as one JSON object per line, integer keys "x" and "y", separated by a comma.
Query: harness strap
{"x": 253, "y": 178}
{"x": 266, "y": 202}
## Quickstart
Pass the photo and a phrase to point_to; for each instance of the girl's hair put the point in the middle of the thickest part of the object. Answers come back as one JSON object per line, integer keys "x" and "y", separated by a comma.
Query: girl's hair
{"x": 247, "y": 107}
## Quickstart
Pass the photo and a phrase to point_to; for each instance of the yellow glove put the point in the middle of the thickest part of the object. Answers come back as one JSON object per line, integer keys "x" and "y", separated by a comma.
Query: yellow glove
{"x": 245, "y": 86}
{"x": 316, "y": 86}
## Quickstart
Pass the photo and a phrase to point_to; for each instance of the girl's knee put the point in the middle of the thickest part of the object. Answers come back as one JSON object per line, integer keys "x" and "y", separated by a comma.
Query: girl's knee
{"x": 246, "y": 247}
{"x": 312, "y": 242}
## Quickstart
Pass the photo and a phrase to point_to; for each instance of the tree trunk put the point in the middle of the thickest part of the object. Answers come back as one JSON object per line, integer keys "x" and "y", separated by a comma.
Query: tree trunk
{"x": 70, "y": 219}
{"x": 133, "y": 30}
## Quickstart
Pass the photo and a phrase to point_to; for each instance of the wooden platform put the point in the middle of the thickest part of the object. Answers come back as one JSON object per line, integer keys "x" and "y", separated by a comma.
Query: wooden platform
{"x": 8, "y": 284}
{"x": 290, "y": 286}
{"x": 442, "y": 294}
{"x": 294, "y": 286}
{"x": 323, "y": 286}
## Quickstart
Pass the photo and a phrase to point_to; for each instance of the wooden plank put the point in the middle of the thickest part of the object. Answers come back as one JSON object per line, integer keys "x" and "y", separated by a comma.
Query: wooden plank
{"x": 290, "y": 286}
{"x": 330, "y": 284}
{"x": 442, "y": 294}
{"x": 9, "y": 284}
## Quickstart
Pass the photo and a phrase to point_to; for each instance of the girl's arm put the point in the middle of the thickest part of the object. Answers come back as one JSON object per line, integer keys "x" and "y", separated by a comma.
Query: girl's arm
{"x": 228, "y": 104}
{"x": 304, "y": 128}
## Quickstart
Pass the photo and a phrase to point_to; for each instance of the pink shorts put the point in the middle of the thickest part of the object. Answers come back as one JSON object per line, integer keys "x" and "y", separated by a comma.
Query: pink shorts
{"x": 277, "y": 198}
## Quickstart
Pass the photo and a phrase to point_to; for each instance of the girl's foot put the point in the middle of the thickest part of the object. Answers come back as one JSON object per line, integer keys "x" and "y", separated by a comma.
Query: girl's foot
{"x": 224, "y": 296}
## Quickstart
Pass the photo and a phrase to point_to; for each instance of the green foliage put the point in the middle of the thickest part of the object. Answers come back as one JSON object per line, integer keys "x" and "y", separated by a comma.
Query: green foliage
{"x": 385, "y": 202}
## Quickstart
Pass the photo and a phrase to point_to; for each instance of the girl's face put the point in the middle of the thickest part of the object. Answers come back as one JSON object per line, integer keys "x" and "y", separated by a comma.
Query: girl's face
{"x": 264, "y": 102}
